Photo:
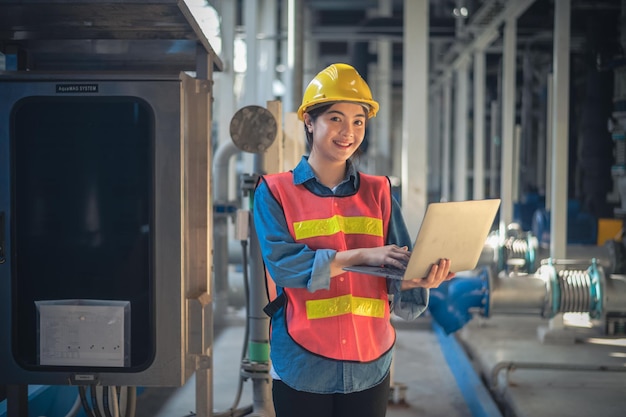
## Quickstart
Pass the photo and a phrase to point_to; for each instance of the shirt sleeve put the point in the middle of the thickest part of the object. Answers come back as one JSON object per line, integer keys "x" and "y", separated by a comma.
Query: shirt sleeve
{"x": 408, "y": 304}
{"x": 290, "y": 264}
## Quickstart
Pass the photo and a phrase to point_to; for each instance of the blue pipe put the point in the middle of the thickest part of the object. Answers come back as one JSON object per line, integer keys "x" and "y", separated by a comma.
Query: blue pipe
{"x": 476, "y": 395}
{"x": 450, "y": 303}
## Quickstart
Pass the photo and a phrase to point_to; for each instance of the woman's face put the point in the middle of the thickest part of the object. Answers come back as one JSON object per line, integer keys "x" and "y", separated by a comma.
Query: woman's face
{"x": 338, "y": 132}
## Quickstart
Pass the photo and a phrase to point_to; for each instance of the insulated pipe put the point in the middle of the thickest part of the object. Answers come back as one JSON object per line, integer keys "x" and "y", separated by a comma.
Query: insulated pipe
{"x": 220, "y": 174}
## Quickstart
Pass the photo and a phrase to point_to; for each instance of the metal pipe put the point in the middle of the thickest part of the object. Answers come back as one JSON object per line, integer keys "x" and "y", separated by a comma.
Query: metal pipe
{"x": 258, "y": 347}
{"x": 507, "y": 115}
{"x": 560, "y": 129}
{"x": 447, "y": 139}
{"x": 512, "y": 365}
{"x": 615, "y": 285}
{"x": 221, "y": 160}
{"x": 220, "y": 177}
{"x": 295, "y": 54}
{"x": 460, "y": 145}
{"x": 517, "y": 294}
{"x": 478, "y": 192}
{"x": 494, "y": 141}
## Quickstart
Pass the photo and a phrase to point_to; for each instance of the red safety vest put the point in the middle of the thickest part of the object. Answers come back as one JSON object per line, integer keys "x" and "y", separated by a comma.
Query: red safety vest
{"x": 349, "y": 321}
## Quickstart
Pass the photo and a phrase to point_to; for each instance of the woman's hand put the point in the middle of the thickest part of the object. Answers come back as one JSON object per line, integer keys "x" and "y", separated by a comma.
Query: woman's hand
{"x": 438, "y": 273}
{"x": 393, "y": 255}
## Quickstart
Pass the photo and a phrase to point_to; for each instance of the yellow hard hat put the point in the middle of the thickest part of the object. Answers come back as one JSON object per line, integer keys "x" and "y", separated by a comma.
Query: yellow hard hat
{"x": 337, "y": 82}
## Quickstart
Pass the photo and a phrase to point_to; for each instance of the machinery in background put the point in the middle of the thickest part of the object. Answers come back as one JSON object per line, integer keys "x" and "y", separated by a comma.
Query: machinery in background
{"x": 515, "y": 277}
{"x": 518, "y": 251}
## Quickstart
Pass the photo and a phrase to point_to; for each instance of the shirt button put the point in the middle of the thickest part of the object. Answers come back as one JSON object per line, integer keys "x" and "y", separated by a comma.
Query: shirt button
{"x": 341, "y": 279}
{"x": 344, "y": 341}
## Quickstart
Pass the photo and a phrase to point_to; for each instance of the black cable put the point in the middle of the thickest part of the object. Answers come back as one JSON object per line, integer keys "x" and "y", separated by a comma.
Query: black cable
{"x": 94, "y": 401}
{"x": 244, "y": 351}
{"x": 83, "y": 399}
{"x": 131, "y": 401}
{"x": 105, "y": 401}
{"x": 233, "y": 411}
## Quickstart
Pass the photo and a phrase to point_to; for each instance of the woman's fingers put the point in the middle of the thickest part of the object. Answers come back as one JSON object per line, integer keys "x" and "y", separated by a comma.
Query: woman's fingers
{"x": 438, "y": 273}
{"x": 396, "y": 256}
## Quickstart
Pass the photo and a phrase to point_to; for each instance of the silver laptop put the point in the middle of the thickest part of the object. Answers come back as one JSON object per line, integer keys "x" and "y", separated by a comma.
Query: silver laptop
{"x": 456, "y": 230}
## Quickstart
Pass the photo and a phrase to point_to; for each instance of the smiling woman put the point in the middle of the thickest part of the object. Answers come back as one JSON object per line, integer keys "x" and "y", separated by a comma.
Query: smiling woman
{"x": 332, "y": 339}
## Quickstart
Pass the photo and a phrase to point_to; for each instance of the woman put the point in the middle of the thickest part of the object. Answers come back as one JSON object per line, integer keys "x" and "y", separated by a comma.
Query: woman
{"x": 331, "y": 336}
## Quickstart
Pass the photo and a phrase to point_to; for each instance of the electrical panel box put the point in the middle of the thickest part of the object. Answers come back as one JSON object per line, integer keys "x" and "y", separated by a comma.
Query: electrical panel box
{"x": 95, "y": 207}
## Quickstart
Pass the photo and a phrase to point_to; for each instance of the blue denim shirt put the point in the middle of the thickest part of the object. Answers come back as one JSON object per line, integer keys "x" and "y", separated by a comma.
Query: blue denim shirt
{"x": 295, "y": 265}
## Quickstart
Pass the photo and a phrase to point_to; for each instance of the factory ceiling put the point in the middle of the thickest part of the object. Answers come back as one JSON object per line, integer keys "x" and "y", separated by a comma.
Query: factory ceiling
{"x": 164, "y": 35}
{"x": 134, "y": 35}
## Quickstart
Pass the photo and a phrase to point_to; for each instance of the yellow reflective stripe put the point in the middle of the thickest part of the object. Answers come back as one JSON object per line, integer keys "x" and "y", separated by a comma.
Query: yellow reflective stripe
{"x": 345, "y": 304}
{"x": 348, "y": 225}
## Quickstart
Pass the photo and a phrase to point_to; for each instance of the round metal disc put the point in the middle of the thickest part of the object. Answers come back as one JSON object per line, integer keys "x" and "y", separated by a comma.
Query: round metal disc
{"x": 253, "y": 129}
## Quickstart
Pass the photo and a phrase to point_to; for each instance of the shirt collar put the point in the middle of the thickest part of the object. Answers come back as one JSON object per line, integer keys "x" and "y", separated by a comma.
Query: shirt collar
{"x": 303, "y": 172}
